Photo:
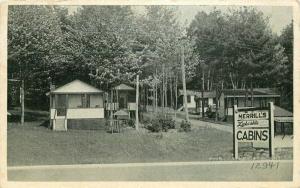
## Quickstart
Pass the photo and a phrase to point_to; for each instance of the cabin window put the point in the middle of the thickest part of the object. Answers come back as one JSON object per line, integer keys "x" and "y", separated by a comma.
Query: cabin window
{"x": 96, "y": 101}
{"x": 85, "y": 101}
{"x": 231, "y": 102}
{"x": 60, "y": 101}
{"x": 263, "y": 102}
{"x": 188, "y": 98}
{"x": 205, "y": 102}
{"x": 131, "y": 96}
{"x": 215, "y": 101}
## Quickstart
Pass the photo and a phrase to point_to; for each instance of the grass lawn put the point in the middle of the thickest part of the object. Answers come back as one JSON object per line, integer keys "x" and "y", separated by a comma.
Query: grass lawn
{"x": 34, "y": 144}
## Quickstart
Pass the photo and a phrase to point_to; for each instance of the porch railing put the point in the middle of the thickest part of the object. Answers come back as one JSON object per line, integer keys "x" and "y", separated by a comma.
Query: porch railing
{"x": 112, "y": 106}
{"x": 61, "y": 111}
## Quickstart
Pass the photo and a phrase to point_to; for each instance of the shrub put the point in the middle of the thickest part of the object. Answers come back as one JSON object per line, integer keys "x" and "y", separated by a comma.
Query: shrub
{"x": 131, "y": 123}
{"x": 185, "y": 126}
{"x": 154, "y": 126}
{"x": 168, "y": 122}
{"x": 210, "y": 112}
{"x": 161, "y": 123}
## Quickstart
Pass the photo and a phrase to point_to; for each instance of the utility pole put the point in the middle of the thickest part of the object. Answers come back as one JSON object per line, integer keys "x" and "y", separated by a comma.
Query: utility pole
{"x": 252, "y": 99}
{"x": 202, "y": 93}
{"x": 184, "y": 85}
{"x": 22, "y": 103}
{"x": 175, "y": 97}
{"x": 111, "y": 110}
{"x": 171, "y": 93}
{"x": 163, "y": 89}
{"x": 22, "y": 98}
{"x": 137, "y": 104}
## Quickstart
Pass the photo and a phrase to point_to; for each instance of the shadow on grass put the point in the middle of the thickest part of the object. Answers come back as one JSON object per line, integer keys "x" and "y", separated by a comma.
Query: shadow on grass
{"x": 28, "y": 116}
{"x": 45, "y": 124}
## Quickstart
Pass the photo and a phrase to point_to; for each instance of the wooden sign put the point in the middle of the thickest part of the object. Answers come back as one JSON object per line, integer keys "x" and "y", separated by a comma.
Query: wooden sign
{"x": 253, "y": 125}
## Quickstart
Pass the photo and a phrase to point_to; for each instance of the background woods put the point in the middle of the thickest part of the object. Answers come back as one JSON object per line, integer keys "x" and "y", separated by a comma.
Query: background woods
{"x": 107, "y": 45}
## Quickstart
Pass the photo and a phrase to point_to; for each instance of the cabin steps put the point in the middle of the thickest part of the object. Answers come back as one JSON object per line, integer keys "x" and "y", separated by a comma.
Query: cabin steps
{"x": 180, "y": 109}
{"x": 60, "y": 124}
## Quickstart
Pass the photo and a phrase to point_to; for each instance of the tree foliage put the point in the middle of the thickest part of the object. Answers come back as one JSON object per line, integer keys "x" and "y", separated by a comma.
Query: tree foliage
{"x": 238, "y": 47}
{"x": 107, "y": 45}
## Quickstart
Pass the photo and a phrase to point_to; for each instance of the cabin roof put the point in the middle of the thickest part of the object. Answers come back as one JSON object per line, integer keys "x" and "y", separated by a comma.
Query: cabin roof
{"x": 280, "y": 112}
{"x": 121, "y": 113}
{"x": 257, "y": 92}
{"x": 76, "y": 86}
{"x": 123, "y": 87}
{"x": 198, "y": 94}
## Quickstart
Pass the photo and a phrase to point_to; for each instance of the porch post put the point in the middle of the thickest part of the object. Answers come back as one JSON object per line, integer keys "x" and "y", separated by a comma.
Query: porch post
{"x": 50, "y": 107}
{"x": 55, "y": 100}
{"x": 50, "y": 101}
{"x": 67, "y": 101}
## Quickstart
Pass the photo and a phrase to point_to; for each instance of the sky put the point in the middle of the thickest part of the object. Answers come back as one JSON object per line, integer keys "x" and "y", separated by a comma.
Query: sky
{"x": 279, "y": 16}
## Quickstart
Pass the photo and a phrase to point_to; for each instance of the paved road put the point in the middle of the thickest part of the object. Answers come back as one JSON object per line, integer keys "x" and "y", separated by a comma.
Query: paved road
{"x": 199, "y": 123}
{"x": 183, "y": 171}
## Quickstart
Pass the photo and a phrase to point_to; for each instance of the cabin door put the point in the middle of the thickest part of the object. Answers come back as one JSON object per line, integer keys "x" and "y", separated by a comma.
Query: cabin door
{"x": 122, "y": 102}
{"x": 61, "y": 104}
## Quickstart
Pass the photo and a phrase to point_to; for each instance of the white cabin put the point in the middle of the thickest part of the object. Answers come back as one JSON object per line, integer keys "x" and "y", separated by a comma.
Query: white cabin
{"x": 75, "y": 101}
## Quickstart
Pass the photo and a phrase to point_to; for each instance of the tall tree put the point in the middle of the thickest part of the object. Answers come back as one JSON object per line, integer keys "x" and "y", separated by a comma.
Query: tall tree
{"x": 286, "y": 40}
{"x": 101, "y": 39}
{"x": 240, "y": 46}
{"x": 34, "y": 38}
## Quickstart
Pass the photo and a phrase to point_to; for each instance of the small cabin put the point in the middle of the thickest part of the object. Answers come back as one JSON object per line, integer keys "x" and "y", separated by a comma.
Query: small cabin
{"x": 194, "y": 100}
{"x": 75, "y": 104}
{"x": 122, "y": 97}
{"x": 242, "y": 98}
{"x": 283, "y": 121}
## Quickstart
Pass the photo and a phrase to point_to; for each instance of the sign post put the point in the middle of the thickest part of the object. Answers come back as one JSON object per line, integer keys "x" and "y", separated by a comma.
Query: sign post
{"x": 253, "y": 125}
{"x": 271, "y": 128}
{"x": 235, "y": 143}
{"x": 137, "y": 104}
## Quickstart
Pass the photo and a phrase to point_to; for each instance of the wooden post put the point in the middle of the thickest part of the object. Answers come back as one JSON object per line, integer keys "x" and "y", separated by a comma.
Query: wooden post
{"x": 155, "y": 85}
{"x": 117, "y": 95}
{"x": 184, "y": 85}
{"x": 111, "y": 110}
{"x": 271, "y": 129}
{"x": 163, "y": 89}
{"x": 153, "y": 101}
{"x": 22, "y": 103}
{"x": 147, "y": 98}
{"x": 50, "y": 107}
{"x": 202, "y": 93}
{"x": 246, "y": 97}
{"x": 156, "y": 101}
{"x": 67, "y": 103}
{"x": 252, "y": 99}
{"x": 175, "y": 98}
{"x": 137, "y": 104}
{"x": 235, "y": 143}
{"x": 166, "y": 91}
{"x": 171, "y": 93}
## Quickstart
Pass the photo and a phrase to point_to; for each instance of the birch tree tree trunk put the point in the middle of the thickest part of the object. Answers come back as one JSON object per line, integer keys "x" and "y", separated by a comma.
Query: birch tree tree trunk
{"x": 233, "y": 85}
{"x": 22, "y": 103}
{"x": 184, "y": 85}
{"x": 137, "y": 104}
{"x": 208, "y": 77}
{"x": 171, "y": 93}
{"x": 202, "y": 93}
{"x": 175, "y": 98}
{"x": 166, "y": 91}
